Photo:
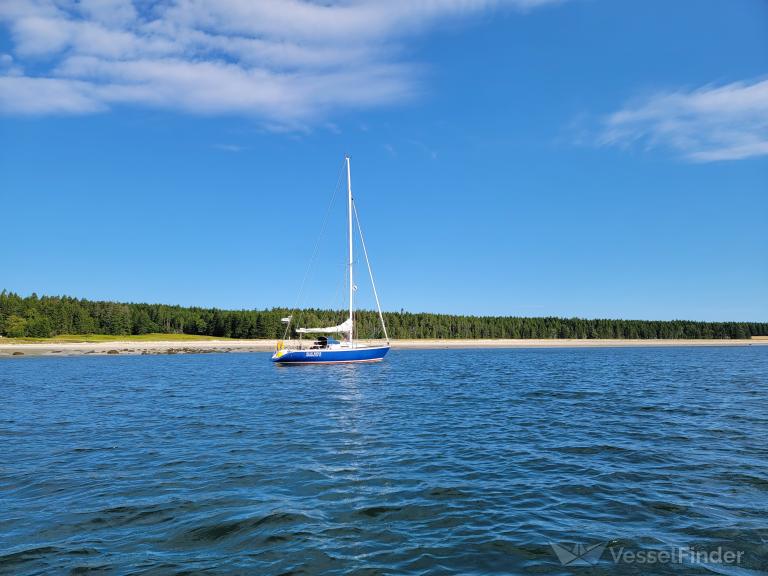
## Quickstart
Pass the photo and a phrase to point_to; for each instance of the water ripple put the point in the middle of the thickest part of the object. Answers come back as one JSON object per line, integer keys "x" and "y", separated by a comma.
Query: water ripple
{"x": 434, "y": 462}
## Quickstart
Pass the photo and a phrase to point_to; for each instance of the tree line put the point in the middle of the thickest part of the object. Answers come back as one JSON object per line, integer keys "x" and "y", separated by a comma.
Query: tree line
{"x": 46, "y": 316}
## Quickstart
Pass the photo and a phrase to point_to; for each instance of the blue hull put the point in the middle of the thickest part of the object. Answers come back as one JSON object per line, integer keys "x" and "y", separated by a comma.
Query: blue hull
{"x": 374, "y": 354}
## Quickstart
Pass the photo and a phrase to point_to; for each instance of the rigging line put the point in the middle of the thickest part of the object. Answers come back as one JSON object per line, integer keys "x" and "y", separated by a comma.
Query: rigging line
{"x": 315, "y": 249}
{"x": 370, "y": 272}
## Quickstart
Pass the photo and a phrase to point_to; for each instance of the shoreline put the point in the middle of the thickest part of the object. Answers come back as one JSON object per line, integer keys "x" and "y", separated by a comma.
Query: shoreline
{"x": 117, "y": 347}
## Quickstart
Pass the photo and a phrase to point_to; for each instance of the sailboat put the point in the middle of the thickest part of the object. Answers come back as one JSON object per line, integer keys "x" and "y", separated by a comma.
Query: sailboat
{"x": 326, "y": 349}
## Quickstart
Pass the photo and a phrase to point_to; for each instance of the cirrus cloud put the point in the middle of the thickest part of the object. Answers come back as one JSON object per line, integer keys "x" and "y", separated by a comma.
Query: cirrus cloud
{"x": 286, "y": 62}
{"x": 712, "y": 123}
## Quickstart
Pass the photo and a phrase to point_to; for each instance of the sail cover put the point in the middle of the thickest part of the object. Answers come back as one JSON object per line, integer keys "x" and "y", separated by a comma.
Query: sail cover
{"x": 345, "y": 326}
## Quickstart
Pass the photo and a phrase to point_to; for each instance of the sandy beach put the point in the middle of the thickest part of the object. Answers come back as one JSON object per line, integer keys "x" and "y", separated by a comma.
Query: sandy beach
{"x": 20, "y": 350}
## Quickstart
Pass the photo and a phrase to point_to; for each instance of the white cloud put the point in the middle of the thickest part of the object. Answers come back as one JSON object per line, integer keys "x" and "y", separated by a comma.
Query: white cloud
{"x": 36, "y": 36}
{"x": 114, "y": 12}
{"x": 287, "y": 62}
{"x": 709, "y": 124}
{"x": 24, "y": 95}
{"x": 8, "y": 66}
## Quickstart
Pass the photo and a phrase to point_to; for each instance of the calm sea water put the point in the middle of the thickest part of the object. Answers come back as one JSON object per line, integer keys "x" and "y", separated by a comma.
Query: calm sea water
{"x": 433, "y": 462}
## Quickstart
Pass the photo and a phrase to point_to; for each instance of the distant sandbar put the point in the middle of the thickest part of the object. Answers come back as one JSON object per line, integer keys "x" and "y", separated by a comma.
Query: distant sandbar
{"x": 8, "y": 349}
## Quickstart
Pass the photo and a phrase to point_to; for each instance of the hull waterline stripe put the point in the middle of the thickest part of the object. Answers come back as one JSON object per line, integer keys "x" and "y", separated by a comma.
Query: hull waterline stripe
{"x": 327, "y": 361}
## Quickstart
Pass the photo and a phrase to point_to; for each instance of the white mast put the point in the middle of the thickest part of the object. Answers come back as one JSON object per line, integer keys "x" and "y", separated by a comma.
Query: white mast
{"x": 351, "y": 283}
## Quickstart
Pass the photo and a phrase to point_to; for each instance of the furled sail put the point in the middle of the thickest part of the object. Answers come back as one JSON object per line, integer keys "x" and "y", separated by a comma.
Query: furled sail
{"x": 345, "y": 326}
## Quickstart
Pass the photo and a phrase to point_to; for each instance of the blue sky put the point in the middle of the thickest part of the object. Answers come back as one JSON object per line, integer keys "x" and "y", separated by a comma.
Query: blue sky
{"x": 578, "y": 158}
